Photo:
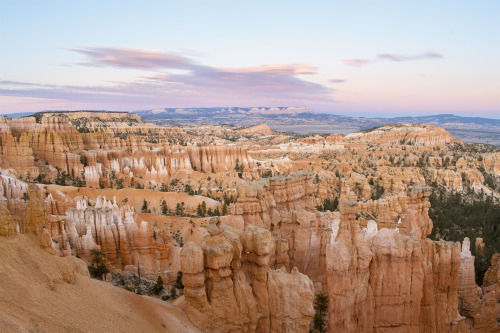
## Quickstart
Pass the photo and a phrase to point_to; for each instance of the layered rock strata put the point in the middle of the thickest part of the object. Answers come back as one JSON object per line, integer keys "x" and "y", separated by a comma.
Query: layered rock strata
{"x": 390, "y": 281}
{"x": 285, "y": 206}
{"x": 414, "y": 135}
{"x": 49, "y": 145}
{"x": 112, "y": 229}
{"x": 229, "y": 286}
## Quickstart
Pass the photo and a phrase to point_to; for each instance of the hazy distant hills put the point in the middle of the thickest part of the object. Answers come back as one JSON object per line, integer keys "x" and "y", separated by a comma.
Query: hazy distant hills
{"x": 303, "y": 120}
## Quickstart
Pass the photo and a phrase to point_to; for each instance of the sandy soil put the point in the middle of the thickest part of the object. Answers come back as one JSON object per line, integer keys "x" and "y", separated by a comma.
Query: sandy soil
{"x": 40, "y": 292}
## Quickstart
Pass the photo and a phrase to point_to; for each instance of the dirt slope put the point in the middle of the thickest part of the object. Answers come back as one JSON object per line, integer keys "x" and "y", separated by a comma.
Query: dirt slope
{"x": 40, "y": 292}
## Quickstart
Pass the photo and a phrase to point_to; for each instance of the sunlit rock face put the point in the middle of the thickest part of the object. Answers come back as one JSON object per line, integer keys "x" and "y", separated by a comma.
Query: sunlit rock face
{"x": 50, "y": 144}
{"x": 7, "y": 224}
{"x": 413, "y": 135}
{"x": 112, "y": 229}
{"x": 285, "y": 206}
{"x": 488, "y": 319}
{"x": 229, "y": 286}
{"x": 378, "y": 281}
{"x": 104, "y": 226}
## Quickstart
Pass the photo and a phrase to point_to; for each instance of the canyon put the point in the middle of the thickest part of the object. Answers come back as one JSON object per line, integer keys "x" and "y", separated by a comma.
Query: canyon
{"x": 255, "y": 223}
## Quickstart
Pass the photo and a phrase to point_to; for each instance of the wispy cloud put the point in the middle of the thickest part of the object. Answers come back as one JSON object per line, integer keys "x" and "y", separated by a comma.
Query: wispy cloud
{"x": 402, "y": 57}
{"x": 356, "y": 62}
{"x": 198, "y": 85}
{"x": 337, "y": 81}
{"x": 25, "y": 84}
{"x": 132, "y": 58}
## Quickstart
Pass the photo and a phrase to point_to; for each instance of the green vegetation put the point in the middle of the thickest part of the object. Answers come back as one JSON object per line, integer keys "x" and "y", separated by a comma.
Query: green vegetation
{"x": 41, "y": 179}
{"x": 178, "y": 238}
{"x": 158, "y": 287}
{"x": 239, "y": 167}
{"x": 164, "y": 208}
{"x": 378, "y": 191}
{"x": 179, "y": 209}
{"x": 144, "y": 208}
{"x": 456, "y": 216}
{"x": 329, "y": 204}
{"x": 177, "y": 286}
{"x": 98, "y": 268}
{"x": 321, "y": 307}
{"x": 64, "y": 179}
{"x": 202, "y": 209}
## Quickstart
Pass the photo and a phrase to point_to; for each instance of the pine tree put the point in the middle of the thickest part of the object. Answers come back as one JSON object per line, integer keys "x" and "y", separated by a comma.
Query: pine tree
{"x": 321, "y": 306}
{"x": 158, "y": 287}
{"x": 164, "y": 208}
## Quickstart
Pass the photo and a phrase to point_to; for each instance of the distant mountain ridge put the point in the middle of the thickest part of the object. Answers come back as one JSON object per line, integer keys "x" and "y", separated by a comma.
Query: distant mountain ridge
{"x": 304, "y": 120}
{"x": 450, "y": 118}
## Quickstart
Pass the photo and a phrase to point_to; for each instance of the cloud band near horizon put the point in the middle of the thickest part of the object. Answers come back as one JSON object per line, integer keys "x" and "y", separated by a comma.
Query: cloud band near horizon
{"x": 200, "y": 84}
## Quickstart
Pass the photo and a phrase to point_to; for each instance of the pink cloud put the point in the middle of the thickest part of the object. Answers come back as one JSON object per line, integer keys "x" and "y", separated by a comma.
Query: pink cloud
{"x": 337, "y": 81}
{"x": 287, "y": 69}
{"x": 356, "y": 62}
{"x": 270, "y": 85}
{"x": 133, "y": 58}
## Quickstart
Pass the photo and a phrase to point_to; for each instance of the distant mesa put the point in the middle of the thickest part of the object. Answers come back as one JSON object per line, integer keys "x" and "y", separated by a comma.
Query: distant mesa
{"x": 292, "y": 110}
{"x": 289, "y": 110}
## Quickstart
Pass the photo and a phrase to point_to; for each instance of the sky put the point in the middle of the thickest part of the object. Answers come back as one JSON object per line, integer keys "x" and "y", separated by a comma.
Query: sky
{"x": 357, "y": 58}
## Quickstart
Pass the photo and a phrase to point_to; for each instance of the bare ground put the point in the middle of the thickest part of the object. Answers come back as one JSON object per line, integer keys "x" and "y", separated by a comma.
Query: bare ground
{"x": 40, "y": 292}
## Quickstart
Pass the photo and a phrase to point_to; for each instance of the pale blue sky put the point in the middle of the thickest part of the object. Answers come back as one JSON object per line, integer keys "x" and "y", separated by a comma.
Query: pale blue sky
{"x": 345, "y": 57}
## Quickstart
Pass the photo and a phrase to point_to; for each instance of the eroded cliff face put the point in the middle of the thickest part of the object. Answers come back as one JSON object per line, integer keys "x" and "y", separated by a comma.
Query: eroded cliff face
{"x": 491, "y": 292}
{"x": 50, "y": 144}
{"x": 7, "y": 223}
{"x": 415, "y": 135}
{"x": 479, "y": 304}
{"x": 229, "y": 286}
{"x": 112, "y": 229}
{"x": 285, "y": 206}
{"x": 351, "y": 306}
{"x": 103, "y": 226}
{"x": 50, "y": 139}
{"x": 31, "y": 214}
{"x": 382, "y": 281}
{"x": 376, "y": 280}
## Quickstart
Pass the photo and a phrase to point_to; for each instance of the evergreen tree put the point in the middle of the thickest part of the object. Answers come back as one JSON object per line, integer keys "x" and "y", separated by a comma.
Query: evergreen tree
{"x": 158, "y": 287}
{"x": 164, "y": 208}
{"x": 321, "y": 307}
{"x": 98, "y": 268}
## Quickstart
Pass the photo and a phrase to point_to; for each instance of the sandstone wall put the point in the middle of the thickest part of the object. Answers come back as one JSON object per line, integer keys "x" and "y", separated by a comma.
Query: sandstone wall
{"x": 33, "y": 145}
{"x": 285, "y": 206}
{"x": 113, "y": 230}
{"x": 229, "y": 287}
{"x": 386, "y": 281}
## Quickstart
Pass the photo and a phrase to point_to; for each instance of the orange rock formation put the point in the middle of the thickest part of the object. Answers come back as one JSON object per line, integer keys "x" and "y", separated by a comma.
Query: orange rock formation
{"x": 229, "y": 286}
